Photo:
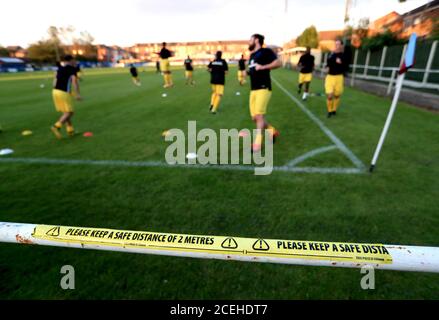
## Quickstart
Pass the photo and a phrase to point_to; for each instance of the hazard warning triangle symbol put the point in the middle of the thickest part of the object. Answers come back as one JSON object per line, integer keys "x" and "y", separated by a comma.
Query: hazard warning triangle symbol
{"x": 229, "y": 243}
{"x": 261, "y": 245}
{"x": 54, "y": 232}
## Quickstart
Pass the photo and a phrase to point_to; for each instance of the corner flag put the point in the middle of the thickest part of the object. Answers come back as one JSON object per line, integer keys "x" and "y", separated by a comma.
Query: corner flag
{"x": 409, "y": 61}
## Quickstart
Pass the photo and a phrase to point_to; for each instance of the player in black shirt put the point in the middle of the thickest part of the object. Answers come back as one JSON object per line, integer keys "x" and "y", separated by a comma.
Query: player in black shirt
{"x": 63, "y": 94}
{"x": 306, "y": 66}
{"x": 262, "y": 60}
{"x": 218, "y": 69}
{"x": 334, "y": 82}
{"x": 242, "y": 73}
{"x": 135, "y": 75}
{"x": 165, "y": 54}
{"x": 189, "y": 69}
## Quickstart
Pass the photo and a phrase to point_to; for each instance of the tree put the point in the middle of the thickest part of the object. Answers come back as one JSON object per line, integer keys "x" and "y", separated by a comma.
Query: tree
{"x": 435, "y": 31}
{"x": 54, "y": 39}
{"x": 308, "y": 38}
{"x": 358, "y": 33}
{"x": 84, "y": 43}
{"x": 4, "y": 52}
{"x": 61, "y": 40}
{"x": 43, "y": 52}
{"x": 380, "y": 40}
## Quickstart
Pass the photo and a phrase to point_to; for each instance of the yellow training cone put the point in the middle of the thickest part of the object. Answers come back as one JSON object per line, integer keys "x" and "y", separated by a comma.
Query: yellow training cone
{"x": 26, "y": 133}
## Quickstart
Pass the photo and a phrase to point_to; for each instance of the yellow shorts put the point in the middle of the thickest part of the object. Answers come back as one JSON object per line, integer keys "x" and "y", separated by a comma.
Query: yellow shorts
{"x": 305, "y": 77}
{"x": 218, "y": 89}
{"x": 241, "y": 75}
{"x": 188, "y": 74}
{"x": 63, "y": 101}
{"x": 164, "y": 65}
{"x": 259, "y": 101}
{"x": 334, "y": 84}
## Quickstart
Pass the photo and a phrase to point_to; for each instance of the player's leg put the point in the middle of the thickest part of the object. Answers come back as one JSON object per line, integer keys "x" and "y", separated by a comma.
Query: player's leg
{"x": 306, "y": 80}
{"x": 330, "y": 104}
{"x": 56, "y": 128}
{"x": 212, "y": 97}
{"x": 305, "y": 91}
{"x": 69, "y": 128}
{"x": 259, "y": 105}
{"x": 329, "y": 90}
{"x": 263, "y": 105}
{"x": 170, "y": 79}
{"x": 300, "y": 81}
{"x": 307, "y": 85}
{"x": 260, "y": 126}
{"x": 166, "y": 79}
{"x": 171, "y": 83}
{"x": 216, "y": 102}
{"x": 338, "y": 91}
{"x": 63, "y": 104}
{"x": 241, "y": 77}
{"x": 164, "y": 67}
{"x": 256, "y": 146}
{"x": 219, "y": 91}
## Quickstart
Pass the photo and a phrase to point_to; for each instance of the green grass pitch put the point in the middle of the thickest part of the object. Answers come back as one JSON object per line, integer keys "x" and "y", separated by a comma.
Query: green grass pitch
{"x": 396, "y": 205}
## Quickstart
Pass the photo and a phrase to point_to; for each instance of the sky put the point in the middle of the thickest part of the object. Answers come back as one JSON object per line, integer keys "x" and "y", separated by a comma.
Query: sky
{"x": 128, "y": 22}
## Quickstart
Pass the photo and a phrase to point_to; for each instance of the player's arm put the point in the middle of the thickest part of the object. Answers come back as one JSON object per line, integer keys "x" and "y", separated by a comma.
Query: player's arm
{"x": 226, "y": 68}
{"x": 271, "y": 66}
{"x": 54, "y": 80}
{"x": 75, "y": 83}
{"x": 299, "y": 64}
{"x": 329, "y": 62}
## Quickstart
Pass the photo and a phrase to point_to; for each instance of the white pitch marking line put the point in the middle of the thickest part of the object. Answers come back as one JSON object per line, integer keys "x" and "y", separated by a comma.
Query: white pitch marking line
{"x": 310, "y": 154}
{"x": 358, "y": 163}
{"x": 149, "y": 164}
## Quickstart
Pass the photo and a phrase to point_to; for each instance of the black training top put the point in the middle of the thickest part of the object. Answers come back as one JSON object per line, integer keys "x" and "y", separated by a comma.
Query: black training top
{"x": 306, "y": 63}
{"x": 64, "y": 77}
{"x": 218, "y": 69}
{"x": 334, "y": 67}
{"x": 261, "y": 79}
{"x": 165, "y": 53}
{"x": 133, "y": 71}
{"x": 241, "y": 64}
{"x": 188, "y": 65}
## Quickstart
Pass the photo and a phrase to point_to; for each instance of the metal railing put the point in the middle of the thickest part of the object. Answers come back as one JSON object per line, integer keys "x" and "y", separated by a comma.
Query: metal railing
{"x": 361, "y": 71}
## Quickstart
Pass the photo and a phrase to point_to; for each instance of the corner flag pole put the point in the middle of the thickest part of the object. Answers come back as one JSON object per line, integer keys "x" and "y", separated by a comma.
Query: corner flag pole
{"x": 408, "y": 63}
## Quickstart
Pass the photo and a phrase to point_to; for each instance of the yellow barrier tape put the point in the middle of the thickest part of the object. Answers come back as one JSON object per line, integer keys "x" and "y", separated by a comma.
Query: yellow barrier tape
{"x": 269, "y": 248}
